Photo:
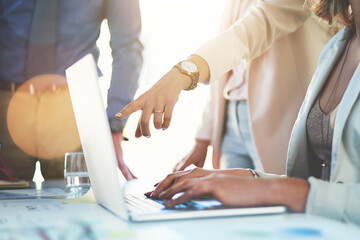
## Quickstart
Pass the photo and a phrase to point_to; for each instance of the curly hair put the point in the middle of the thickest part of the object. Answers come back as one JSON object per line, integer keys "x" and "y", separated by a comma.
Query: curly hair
{"x": 333, "y": 11}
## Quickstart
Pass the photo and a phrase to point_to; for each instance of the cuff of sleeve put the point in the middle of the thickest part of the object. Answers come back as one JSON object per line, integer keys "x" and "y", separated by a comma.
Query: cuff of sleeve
{"x": 326, "y": 199}
{"x": 113, "y": 108}
{"x": 208, "y": 57}
{"x": 116, "y": 125}
{"x": 268, "y": 175}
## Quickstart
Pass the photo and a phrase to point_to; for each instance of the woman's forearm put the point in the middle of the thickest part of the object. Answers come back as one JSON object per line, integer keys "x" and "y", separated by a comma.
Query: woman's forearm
{"x": 291, "y": 192}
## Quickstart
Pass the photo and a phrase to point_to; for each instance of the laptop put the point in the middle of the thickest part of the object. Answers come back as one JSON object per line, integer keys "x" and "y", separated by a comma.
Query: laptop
{"x": 108, "y": 183}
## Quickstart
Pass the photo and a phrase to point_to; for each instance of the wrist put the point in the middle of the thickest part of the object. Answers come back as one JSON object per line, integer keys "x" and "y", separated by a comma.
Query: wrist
{"x": 203, "y": 67}
{"x": 190, "y": 69}
{"x": 253, "y": 173}
{"x": 194, "y": 69}
{"x": 202, "y": 142}
{"x": 184, "y": 81}
{"x": 291, "y": 192}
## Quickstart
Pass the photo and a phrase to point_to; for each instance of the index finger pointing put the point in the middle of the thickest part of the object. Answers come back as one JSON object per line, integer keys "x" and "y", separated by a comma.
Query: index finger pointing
{"x": 128, "y": 109}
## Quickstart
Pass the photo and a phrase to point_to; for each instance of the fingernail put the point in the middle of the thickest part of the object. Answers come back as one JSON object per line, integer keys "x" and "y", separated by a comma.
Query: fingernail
{"x": 164, "y": 129}
{"x": 118, "y": 115}
{"x": 147, "y": 136}
{"x": 162, "y": 193}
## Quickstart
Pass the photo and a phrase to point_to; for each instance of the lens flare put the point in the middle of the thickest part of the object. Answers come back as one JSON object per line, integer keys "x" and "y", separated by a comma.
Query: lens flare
{"x": 40, "y": 117}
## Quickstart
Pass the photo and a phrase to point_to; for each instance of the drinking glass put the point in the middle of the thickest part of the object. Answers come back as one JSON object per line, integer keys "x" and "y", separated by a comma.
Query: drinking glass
{"x": 75, "y": 173}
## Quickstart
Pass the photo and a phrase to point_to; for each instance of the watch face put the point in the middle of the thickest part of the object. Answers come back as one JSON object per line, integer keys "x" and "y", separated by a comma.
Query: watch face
{"x": 189, "y": 66}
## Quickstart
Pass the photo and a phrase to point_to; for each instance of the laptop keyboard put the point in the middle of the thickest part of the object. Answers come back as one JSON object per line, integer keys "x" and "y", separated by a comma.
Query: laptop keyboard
{"x": 145, "y": 204}
{"x": 141, "y": 202}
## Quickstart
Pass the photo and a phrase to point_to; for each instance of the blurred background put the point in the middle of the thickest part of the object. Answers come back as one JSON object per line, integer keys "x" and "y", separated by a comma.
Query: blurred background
{"x": 171, "y": 31}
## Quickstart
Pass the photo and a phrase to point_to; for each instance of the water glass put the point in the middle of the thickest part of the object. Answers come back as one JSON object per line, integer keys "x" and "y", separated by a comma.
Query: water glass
{"x": 75, "y": 173}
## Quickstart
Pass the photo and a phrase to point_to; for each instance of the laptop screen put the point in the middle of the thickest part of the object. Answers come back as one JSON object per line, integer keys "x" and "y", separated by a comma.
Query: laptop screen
{"x": 106, "y": 179}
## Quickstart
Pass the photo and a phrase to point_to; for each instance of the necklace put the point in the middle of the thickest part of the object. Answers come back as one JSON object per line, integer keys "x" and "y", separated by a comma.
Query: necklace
{"x": 326, "y": 163}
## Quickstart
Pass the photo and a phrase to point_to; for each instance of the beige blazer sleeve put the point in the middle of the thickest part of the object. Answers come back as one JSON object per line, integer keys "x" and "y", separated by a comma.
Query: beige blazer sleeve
{"x": 252, "y": 35}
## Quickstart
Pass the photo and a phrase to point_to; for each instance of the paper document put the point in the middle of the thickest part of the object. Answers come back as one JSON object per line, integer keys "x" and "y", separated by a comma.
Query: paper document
{"x": 32, "y": 193}
{"x": 43, "y": 212}
{"x": 18, "y": 184}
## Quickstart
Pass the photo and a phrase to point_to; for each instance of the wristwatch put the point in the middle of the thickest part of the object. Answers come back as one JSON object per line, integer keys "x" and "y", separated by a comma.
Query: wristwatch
{"x": 190, "y": 69}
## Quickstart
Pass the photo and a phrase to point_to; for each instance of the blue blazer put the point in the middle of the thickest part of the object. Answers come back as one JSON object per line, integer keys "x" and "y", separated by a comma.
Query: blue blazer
{"x": 339, "y": 198}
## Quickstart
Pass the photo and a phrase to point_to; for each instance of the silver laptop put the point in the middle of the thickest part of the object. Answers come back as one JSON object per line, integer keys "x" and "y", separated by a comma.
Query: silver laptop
{"x": 108, "y": 184}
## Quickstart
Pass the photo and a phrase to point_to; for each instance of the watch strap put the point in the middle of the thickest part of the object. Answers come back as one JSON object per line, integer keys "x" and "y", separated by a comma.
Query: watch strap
{"x": 194, "y": 76}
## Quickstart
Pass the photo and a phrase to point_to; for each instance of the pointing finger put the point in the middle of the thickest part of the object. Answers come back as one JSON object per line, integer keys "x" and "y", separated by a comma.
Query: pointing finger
{"x": 130, "y": 108}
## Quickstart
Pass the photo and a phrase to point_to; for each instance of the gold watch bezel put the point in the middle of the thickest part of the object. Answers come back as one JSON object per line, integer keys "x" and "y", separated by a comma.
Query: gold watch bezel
{"x": 193, "y": 75}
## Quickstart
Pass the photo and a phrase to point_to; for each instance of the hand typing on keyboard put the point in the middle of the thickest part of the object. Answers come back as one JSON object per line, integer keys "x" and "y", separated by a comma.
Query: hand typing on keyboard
{"x": 181, "y": 176}
{"x": 236, "y": 190}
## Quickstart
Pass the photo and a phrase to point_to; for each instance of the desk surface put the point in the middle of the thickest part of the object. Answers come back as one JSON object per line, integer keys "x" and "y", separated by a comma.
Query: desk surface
{"x": 47, "y": 218}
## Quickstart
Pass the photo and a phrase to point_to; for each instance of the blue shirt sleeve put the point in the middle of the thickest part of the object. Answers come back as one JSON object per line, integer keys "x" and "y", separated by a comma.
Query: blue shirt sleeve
{"x": 125, "y": 25}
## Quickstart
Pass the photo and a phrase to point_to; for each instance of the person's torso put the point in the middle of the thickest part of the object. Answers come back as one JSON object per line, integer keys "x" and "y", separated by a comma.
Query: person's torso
{"x": 345, "y": 154}
{"x": 78, "y": 27}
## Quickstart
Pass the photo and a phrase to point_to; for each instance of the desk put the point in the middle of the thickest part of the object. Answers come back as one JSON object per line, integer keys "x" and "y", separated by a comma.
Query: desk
{"x": 47, "y": 218}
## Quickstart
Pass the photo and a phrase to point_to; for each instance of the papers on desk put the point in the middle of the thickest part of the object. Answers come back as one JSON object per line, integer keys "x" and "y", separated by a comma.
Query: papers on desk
{"x": 46, "y": 219}
{"x": 18, "y": 184}
{"x": 41, "y": 212}
{"x": 32, "y": 193}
